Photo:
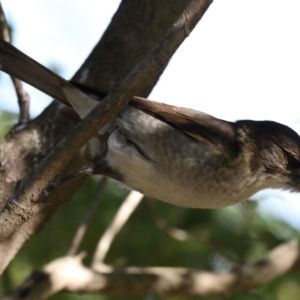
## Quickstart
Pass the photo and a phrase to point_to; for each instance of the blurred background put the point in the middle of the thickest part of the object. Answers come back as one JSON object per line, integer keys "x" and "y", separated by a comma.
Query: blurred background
{"x": 241, "y": 62}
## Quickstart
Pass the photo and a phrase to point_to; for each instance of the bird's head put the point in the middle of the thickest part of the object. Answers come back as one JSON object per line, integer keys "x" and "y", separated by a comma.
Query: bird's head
{"x": 273, "y": 150}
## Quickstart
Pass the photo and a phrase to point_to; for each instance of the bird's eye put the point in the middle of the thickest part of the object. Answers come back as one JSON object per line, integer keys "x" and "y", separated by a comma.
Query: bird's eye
{"x": 293, "y": 163}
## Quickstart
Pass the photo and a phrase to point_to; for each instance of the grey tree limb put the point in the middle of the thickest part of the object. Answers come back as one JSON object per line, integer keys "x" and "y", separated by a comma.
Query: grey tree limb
{"x": 69, "y": 274}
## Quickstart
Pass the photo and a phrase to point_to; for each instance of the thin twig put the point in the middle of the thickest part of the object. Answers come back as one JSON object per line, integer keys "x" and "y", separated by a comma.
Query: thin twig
{"x": 23, "y": 204}
{"x": 22, "y": 95}
{"x": 95, "y": 201}
{"x": 4, "y": 31}
{"x": 183, "y": 235}
{"x": 175, "y": 233}
{"x": 126, "y": 209}
{"x": 23, "y": 101}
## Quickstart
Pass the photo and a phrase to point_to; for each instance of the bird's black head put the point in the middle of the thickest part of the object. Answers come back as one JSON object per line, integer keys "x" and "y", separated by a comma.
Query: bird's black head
{"x": 273, "y": 148}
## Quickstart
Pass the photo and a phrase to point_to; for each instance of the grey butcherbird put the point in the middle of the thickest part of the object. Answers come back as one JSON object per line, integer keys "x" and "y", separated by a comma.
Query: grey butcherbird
{"x": 177, "y": 155}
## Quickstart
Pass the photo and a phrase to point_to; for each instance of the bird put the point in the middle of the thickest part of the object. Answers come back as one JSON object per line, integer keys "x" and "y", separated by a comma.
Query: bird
{"x": 178, "y": 155}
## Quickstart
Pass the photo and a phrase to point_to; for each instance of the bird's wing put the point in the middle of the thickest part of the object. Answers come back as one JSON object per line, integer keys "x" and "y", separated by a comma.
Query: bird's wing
{"x": 19, "y": 65}
{"x": 196, "y": 124}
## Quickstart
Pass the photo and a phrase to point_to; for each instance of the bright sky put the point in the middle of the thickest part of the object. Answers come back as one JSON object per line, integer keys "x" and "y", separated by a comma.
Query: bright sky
{"x": 241, "y": 62}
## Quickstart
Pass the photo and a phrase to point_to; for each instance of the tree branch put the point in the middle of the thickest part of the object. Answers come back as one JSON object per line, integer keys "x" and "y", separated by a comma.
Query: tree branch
{"x": 87, "y": 216}
{"x": 22, "y": 95}
{"x": 23, "y": 204}
{"x": 126, "y": 209}
{"x": 69, "y": 274}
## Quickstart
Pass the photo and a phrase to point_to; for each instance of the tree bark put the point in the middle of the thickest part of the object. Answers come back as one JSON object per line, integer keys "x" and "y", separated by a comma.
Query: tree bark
{"x": 69, "y": 274}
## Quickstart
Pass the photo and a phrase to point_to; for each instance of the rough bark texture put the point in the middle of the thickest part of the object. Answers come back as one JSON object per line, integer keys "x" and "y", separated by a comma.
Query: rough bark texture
{"x": 122, "y": 46}
{"x": 134, "y": 30}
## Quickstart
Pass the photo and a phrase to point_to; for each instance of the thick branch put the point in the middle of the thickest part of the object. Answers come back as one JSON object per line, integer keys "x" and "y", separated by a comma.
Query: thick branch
{"x": 69, "y": 274}
{"x": 23, "y": 204}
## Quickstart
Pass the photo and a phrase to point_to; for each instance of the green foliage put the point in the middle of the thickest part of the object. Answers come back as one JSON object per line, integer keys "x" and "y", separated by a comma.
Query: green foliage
{"x": 7, "y": 120}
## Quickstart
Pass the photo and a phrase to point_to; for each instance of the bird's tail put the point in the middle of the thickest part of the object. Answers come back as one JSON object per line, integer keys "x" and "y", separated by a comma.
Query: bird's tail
{"x": 19, "y": 65}
{"x": 16, "y": 63}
